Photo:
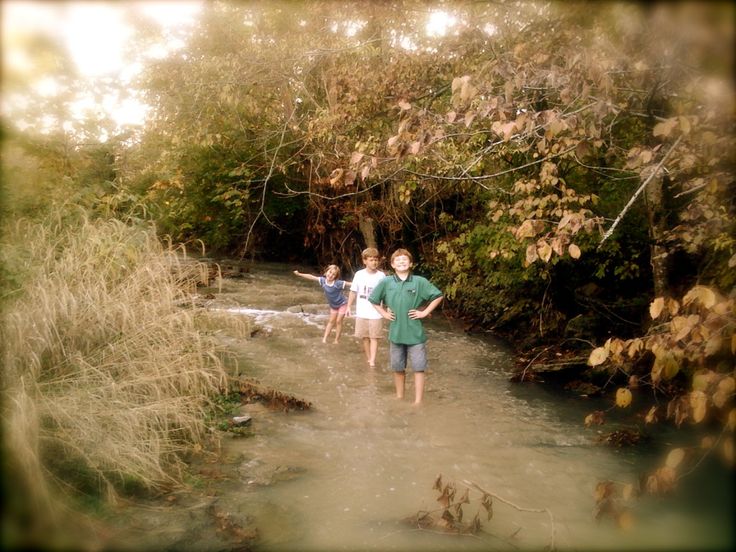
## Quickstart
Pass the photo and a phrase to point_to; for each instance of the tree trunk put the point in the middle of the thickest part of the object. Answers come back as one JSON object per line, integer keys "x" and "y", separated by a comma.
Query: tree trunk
{"x": 657, "y": 215}
{"x": 368, "y": 230}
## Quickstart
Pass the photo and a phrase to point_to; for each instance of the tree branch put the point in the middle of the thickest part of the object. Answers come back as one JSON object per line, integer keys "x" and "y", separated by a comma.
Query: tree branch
{"x": 551, "y": 545}
{"x": 639, "y": 191}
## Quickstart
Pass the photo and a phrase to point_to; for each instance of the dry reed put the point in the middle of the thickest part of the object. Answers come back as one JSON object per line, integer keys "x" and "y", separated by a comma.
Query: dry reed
{"x": 106, "y": 376}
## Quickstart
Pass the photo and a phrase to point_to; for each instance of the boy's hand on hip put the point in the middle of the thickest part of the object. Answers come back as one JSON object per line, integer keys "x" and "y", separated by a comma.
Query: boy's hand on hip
{"x": 415, "y": 314}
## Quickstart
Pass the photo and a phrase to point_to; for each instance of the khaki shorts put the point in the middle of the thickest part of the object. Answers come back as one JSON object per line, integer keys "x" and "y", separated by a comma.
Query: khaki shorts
{"x": 369, "y": 327}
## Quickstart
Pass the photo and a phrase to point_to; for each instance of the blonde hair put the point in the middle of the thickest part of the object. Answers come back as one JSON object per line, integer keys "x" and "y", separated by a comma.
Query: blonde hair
{"x": 369, "y": 252}
{"x": 337, "y": 269}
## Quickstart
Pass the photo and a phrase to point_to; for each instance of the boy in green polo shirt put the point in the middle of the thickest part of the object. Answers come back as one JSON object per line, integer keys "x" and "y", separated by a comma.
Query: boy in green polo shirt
{"x": 399, "y": 298}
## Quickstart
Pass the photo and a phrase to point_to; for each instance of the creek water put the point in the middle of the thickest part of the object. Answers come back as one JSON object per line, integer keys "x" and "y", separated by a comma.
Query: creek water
{"x": 360, "y": 461}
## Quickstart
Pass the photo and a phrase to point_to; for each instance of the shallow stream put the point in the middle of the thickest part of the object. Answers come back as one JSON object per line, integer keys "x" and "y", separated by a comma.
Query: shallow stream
{"x": 343, "y": 475}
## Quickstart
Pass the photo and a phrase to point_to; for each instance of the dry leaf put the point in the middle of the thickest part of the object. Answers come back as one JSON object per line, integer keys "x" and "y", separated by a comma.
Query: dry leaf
{"x": 598, "y": 356}
{"x": 623, "y": 397}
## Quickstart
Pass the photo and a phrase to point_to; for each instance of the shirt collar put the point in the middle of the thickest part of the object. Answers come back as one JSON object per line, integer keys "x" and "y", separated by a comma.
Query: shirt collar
{"x": 399, "y": 280}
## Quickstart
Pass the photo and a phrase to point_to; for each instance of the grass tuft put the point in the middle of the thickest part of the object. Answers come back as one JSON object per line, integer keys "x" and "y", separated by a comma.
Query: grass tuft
{"x": 106, "y": 375}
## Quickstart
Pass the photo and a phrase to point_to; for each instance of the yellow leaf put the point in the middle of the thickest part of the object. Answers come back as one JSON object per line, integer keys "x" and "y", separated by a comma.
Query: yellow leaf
{"x": 623, "y": 397}
{"x": 531, "y": 254}
{"x": 702, "y": 380}
{"x": 544, "y": 250}
{"x": 727, "y": 384}
{"x": 666, "y": 365}
{"x": 667, "y": 477}
{"x": 651, "y": 416}
{"x": 681, "y": 326}
{"x": 698, "y": 401}
{"x": 703, "y": 294}
{"x": 655, "y": 308}
{"x": 574, "y": 251}
{"x": 635, "y": 345}
{"x": 469, "y": 117}
{"x": 731, "y": 422}
{"x": 713, "y": 345}
{"x": 557, "y": 246}
{"x": 526, "y": 230}
{"x": 674, "y": 458}
{"x": 665, "y": 127}
{"x": 720, "y": 398}
{"x": 598, "y": 356}
{"x": 508, "y": 130}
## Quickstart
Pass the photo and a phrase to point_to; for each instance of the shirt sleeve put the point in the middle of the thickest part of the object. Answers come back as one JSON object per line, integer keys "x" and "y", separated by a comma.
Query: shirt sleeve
{"x": 377, "y": 295}
{"x": 429, "y": 291}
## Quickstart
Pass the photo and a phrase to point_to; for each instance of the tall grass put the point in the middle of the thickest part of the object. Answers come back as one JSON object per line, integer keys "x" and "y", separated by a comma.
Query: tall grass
{"x": 105, "y": 375}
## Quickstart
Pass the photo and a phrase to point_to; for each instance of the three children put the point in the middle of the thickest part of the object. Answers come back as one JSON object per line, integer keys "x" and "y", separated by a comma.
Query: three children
{"x": 402, "y": 298}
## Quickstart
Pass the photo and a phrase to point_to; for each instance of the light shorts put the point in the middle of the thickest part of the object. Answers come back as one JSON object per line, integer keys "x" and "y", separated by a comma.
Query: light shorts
{"x": 417, "y": 354}
{"x": 369, "y": 327}
{"x": 342, "y": 309}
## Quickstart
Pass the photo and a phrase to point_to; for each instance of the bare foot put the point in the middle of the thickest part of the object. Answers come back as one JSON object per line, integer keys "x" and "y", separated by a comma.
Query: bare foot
{"x": 371, "y": 365}
{"x": 324, "y": 341}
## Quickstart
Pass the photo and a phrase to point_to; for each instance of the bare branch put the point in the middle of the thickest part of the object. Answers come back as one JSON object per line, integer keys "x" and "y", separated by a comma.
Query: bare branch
{"x": 547, "y": 511}
{"x": 639, "y": 191}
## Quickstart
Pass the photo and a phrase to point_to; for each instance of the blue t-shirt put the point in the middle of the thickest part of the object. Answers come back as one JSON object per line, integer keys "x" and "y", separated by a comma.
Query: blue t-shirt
{"x": 335, "y": 297}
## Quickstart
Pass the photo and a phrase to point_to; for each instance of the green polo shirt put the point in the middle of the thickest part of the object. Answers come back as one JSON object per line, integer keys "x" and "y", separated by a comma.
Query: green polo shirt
{"x": 401, "y": 297}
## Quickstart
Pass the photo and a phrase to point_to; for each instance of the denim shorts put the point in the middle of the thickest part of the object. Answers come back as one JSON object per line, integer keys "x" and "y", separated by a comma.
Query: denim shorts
{"x": 417, "y": 354}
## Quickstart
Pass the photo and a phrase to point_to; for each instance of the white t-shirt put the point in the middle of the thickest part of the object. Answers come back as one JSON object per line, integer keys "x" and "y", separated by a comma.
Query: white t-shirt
{"x": 363, "y": 284}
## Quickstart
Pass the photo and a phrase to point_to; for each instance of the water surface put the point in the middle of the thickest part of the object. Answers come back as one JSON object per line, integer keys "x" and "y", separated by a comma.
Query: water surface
{"x": 361, "y": 461}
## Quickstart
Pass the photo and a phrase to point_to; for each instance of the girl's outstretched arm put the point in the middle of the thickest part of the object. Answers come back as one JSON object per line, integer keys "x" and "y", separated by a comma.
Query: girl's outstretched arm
{"x": 306, "y": 276}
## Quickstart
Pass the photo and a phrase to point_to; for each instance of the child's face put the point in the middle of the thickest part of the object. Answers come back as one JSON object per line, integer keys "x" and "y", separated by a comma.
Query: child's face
{"x": 331, "y": 273}
{"x": 371, "y": 263}
{"x": 401, "y": 263}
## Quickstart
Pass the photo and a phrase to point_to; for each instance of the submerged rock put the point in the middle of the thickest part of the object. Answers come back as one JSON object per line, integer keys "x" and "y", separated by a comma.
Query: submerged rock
{"x": 257, "y": 472}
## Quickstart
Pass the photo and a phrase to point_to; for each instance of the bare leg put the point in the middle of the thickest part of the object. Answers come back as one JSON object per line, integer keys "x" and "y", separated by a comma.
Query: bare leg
{"x": 338, "y": 327}
{"x": 328, "y": 329}
{"x": 373, "y": 349}
{"x": 418, "y": 387}
{"x": 399, "y": 378}
{"x": 367, "y": 348}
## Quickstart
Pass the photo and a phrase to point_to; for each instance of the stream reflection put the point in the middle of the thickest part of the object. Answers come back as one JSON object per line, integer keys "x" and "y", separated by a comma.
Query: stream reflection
{"x": 361, "y": 461}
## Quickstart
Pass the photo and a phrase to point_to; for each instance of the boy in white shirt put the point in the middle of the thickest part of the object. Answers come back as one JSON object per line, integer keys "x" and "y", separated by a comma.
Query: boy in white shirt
{"x": 368, "y": 321}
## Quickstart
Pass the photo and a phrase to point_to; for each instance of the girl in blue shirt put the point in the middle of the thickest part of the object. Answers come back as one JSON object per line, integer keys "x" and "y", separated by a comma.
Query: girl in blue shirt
{"x": 333, "y": 288}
